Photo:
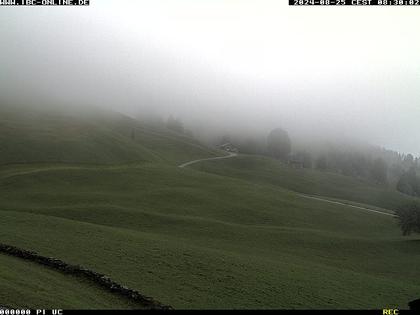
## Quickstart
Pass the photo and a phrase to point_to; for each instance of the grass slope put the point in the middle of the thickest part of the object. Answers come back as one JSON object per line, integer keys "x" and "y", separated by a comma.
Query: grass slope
{"x": 193, "y": 239}
{"x": 265, "y": 170}
{"x": 89, "y": 136}
{"x": 27, "y": 285}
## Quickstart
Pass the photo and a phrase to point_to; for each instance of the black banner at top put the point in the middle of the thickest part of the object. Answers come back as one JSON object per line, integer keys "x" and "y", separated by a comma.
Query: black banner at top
{"x": 355, "y": 2}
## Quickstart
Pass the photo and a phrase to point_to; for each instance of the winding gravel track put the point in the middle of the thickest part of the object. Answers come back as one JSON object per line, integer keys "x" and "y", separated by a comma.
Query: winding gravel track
{"x": 346, "y": 204}
{"x": 231, "y": 155}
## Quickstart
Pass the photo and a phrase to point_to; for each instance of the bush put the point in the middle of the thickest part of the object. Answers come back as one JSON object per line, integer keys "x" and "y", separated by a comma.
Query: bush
{"x": 409, "y": 183}
{"x": 408, "y": 216}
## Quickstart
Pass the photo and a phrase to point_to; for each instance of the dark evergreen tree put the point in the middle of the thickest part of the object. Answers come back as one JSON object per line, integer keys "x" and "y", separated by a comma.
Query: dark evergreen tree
{"x": 321, "y": 163}
{"x": 408, "y": 216}
{"x": 306, "y": 159}
{"x": 409, "y": 183}
{"x": 379, "y": 171}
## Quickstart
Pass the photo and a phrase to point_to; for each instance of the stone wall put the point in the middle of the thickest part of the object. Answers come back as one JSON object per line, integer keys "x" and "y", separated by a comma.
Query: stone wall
{"x": 100, "y": 279}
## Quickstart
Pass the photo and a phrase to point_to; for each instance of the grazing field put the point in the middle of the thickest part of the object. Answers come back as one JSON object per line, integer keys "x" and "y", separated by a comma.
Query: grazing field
{"x": 264, "y": 170}
{"x": 28, "y": 285}
{"x": 88, "y": 136}
{"x": 220, "y": 234}
{"x": 191, "y": 239}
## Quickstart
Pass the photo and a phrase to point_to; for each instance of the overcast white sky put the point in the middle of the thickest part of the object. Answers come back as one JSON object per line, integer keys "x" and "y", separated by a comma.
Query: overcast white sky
{"x": 353, "y": 71}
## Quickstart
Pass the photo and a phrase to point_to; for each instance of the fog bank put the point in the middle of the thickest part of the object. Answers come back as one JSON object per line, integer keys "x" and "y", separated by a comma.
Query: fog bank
{"x": 224, "y": 65}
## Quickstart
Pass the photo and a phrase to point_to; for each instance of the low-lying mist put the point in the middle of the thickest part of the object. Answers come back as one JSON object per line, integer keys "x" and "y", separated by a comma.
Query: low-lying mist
{"x": 226, "y": 68}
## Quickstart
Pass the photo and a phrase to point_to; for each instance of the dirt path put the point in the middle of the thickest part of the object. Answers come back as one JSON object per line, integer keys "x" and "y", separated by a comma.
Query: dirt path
{"x": 231, "y": 155}
{"x": 346, "y": 204}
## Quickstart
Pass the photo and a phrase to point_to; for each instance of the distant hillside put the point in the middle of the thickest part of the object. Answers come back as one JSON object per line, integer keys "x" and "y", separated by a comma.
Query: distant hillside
{"x": 265, "y": 170}
{"x": 88, "y": 136}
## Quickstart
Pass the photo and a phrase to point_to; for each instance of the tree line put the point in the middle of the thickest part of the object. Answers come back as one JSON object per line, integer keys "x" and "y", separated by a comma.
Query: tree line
{"x": 371, "y": 163}
{"x": 385, "y": 167}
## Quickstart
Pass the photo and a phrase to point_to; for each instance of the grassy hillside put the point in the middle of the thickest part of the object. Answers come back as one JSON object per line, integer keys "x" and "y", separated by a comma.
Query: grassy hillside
{"x": 103, "y": 190}
{"x": 89, "y": 136}
{"x": 29, "y": 285}
{"x": 265, "y": 170}
{"x": 193, "y": 239}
